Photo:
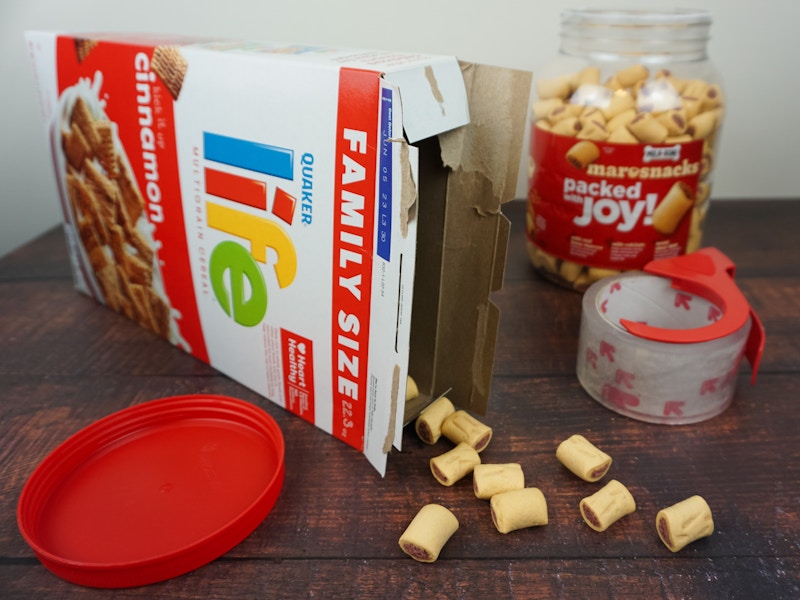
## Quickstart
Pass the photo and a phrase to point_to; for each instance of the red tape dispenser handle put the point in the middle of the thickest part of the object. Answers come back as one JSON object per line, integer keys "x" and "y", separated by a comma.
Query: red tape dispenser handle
{"x": 707, "y": 273}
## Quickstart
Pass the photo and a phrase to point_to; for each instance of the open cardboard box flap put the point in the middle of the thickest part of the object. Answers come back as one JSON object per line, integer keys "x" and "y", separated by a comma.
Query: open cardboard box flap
{"x": 465, "y": 175}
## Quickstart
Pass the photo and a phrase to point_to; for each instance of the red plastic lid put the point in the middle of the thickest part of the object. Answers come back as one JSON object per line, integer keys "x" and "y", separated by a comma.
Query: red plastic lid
{"x": 153, "y": 491}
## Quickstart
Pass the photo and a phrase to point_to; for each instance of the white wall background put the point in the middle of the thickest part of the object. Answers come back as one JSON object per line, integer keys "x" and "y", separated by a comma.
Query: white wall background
{"x": 754, "y": 45}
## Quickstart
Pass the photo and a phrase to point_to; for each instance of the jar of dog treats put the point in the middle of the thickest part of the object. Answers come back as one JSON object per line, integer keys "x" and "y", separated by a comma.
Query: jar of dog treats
{"x": 624, "y": 129}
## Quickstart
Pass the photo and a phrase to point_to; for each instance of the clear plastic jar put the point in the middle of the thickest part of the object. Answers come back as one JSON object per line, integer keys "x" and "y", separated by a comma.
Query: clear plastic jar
{"x": 624, "y": 131}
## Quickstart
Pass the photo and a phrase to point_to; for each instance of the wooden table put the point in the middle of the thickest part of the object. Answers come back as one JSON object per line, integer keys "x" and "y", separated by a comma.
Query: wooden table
{"x": 65, "y": 362}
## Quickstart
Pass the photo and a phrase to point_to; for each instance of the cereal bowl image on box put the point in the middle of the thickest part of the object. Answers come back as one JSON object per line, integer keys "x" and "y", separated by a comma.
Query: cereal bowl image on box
{"x": 115, "y": 257}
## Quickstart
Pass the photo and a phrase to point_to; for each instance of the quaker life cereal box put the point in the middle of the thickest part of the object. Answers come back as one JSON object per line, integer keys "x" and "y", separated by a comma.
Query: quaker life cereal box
{"x": 253, "y": 204}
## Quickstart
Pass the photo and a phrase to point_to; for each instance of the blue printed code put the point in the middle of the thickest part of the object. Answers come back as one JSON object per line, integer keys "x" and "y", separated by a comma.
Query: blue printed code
{"x": 385, "y": 179}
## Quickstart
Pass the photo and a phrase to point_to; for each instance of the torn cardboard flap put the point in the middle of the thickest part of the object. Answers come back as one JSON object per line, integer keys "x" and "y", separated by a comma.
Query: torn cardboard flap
{"x": 433, "y": 97}
{"x": 465, "y": 176}
{"x": 494, "y": 137}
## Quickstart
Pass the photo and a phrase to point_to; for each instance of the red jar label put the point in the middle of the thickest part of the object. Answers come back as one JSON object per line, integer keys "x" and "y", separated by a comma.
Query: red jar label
{"x": 610, "y": 205}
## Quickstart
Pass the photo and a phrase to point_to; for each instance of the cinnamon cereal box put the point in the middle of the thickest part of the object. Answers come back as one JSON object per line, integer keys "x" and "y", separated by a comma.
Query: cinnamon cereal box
{"x": 258, "y": 206}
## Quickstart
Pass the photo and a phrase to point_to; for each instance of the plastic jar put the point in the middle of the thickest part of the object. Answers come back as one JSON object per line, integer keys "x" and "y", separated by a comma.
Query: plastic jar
{"x": 623, "y": 137}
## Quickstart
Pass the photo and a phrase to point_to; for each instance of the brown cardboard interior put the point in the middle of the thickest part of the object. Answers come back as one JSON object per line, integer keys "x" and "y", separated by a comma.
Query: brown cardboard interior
{"x": 464, "y": 178}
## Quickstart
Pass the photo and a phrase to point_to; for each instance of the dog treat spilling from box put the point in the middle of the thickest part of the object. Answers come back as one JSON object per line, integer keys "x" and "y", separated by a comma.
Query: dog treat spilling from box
{"x": 518, "y": 509}
{"x": 607, "y": 506}
{"x": 684, "y": 522}
{"x": 625, "y": 130}
{"x": 583, "y": 458}
{"x": 317, "y": 265}
{"x": 428, "y": 532}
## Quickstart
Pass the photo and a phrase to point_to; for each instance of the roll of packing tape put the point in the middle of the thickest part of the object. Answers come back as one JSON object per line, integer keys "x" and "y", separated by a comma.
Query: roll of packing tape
{"x": 647, "y": 378}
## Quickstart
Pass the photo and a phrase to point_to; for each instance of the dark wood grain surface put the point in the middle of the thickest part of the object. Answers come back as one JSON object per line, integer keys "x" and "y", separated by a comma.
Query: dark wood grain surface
{"x": 65, "y": 362}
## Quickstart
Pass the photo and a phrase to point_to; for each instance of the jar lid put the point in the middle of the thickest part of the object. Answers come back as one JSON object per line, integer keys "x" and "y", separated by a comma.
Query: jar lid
{"x": 633, "y": 17}
{"x": 641, "y": 35}
{"x": 153, "y": 491}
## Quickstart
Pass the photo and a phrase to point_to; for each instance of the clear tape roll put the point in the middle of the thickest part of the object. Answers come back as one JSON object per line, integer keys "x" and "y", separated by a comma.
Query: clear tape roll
{"x": 659, "y": 382}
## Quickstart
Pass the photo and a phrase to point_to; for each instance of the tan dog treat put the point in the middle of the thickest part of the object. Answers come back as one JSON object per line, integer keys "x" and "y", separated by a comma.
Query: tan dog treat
{"x": 620, "y": 102}
{"x": 592, "y": 130}
{"x": 518, "y": 509}
{"x": 674, "y": 121}
{"x": 703, "y": 193}
{"x": 678, "y": 139}
{"x": 712, "y": 98}
{"x": 491, "y": 479}
{"x": 429, "y": 423}
{"x": 669, "y": 212}
{"x": 453, "y": 465}
{"x": 691, "y": 106}
{"x": 570, "y": 270}
{"x": 428, "y": 532}
{"x": 621, "y": 120}
{"x": 588, "y": 75}
{"x": 607, "y": 506}
{"x": 569, "y": 127}
{"x": 583, "y": 154}
{"x": 556, "y": 87}
{"x": 542, "y": 108}
{"x": 170, "y": 66}
{"x": 598, "y": 273}
{"x": 632, "y": 75}
{"x": 463, "y": 427}
{"x": 684, "y": 522}
{"x": 647, "y": 129}
{"x": 702, "y": 125}
{"x": 563, "y": 112}
{"x": 583, "y": 458}
{"x": 592, "y": 113}
{"x": 695, "y": 88}
{"x": 542, "y": 259}
{"x": 412, "y": 391}
{"x": 622, "y": 136}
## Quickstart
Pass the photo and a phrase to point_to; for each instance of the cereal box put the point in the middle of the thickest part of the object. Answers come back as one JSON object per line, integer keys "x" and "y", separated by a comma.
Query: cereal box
{"x": 267, "y": 209}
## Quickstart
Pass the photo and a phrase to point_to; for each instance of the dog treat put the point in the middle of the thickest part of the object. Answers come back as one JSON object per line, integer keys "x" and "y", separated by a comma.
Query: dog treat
{"x": 491, "y": 479}
{"x": 684, "y": 522}
{"x": 703, "y": 124}
{"x": 668, "y": 214}
{"x": 170, "y": 66}
{"x": 607, "y": 506}
{"x": 429, "y": 423}
{"x": 648, "y": 129}
{"x": 618, "y": 103}
{"x": 557, "y": 87}
{"x": 453, "y": 465}
{"x": 428, "y": 532}
{"x": 583, "y": 458}
{"x": 632, "y": 75}
{"x": 583, "y": 154}
{"x": 463, "y": 427}
{"x": 412, "y": 391}
{"x": 518, "y": 509}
